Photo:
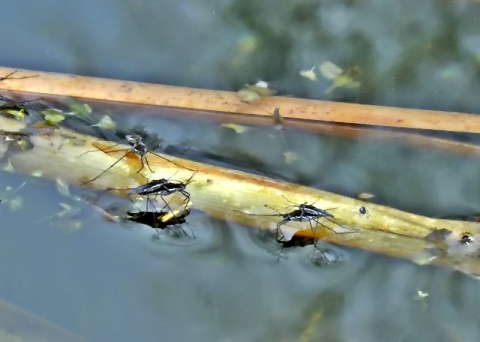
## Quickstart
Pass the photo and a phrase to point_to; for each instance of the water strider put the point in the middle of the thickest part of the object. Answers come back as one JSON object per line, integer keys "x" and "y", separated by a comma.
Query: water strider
{"x": 303, "y": 213}
{"x": 163, "y": 187}
{"x": 138, "y": 147}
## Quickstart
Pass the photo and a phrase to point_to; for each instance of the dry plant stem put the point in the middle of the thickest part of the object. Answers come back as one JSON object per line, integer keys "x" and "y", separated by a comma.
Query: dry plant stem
{"x": 221, "y": 193}
{"x": 222, "y": 101}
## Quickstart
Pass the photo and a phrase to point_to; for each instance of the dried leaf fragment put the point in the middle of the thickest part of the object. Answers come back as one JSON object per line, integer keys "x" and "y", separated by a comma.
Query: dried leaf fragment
{"x": 237, "y": 128}
{"x": 309, "y": 74}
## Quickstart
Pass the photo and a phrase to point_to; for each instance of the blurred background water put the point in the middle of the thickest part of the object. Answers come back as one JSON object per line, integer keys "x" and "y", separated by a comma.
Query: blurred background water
{"x": 103, "y": 281}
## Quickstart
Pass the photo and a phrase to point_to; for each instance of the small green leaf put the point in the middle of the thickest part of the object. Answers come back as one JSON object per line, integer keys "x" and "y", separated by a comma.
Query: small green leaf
{"x": 17, "y": 114}
{"x": 78, "y": 108}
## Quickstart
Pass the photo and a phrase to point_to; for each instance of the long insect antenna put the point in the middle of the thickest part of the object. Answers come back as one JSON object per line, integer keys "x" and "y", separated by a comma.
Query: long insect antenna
{"x": 104, "y": 171}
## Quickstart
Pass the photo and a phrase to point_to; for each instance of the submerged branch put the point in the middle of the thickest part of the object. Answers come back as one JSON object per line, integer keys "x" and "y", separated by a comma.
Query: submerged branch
{"x": 230, "y": 195}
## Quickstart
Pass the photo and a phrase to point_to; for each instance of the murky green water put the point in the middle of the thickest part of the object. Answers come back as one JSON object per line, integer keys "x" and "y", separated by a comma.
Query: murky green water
{"x": 108, "y": 281}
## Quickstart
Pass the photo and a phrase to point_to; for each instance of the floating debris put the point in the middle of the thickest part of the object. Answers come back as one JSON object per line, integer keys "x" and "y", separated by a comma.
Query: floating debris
{"x": 53, "y": 116}
{"x": 365, "y": 196}
{"x": 107, "y": 123}
{"x": 11, "y": 197}
{"x": 339, "y": 78}
{"x": 290, "y": 157}
{"x": 309, "y": 74}
{"x": 253, "y": 93}
{"x": 329, "y": 70}
{"x": 235, "y": 127}
{"x": 79, "y": 109}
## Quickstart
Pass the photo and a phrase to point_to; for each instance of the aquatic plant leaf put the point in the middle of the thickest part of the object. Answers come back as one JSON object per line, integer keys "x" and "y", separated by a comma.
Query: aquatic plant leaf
{"x": 18, "y": 114}
{"x": 53, "y": 116}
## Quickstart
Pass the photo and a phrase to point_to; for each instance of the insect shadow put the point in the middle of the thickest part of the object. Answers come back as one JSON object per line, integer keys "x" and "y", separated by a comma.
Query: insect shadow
{"x": 137, "y": 147}
{"x": 301, "y": 238}
{"x": 162, "y": 219}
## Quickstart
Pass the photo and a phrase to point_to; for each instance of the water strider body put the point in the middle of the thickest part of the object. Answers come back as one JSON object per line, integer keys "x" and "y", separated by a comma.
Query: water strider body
{"x": 163, "y": 187}
{"x": 303, "y": 213}
{"x": 138, "y": 147}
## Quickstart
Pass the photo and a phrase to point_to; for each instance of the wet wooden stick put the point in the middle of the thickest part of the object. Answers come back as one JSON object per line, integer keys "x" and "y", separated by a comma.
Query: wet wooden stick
{"x": 231, "y": 195}
{"x": 229, "y": 102}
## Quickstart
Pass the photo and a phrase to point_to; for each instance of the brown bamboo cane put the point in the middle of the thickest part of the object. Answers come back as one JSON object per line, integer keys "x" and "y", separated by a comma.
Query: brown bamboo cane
{"x": 229, "y": 102}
